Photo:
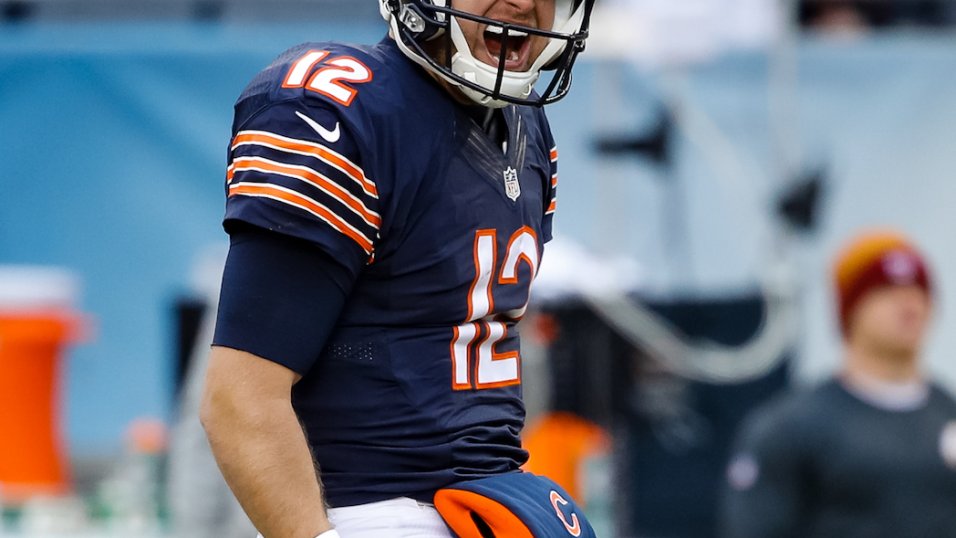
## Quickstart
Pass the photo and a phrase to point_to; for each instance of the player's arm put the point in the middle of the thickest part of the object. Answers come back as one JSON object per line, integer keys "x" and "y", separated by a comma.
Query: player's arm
{"x": 259, "y": 445}
{"x": 302, "y": 218}
{"x": 280, "y": 299}
{"x": 766, "y": 487}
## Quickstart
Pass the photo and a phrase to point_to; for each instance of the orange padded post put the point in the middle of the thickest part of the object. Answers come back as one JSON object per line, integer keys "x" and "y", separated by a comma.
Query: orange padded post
{"x": 33, "y": 459}
{"x": 558, "y": 443}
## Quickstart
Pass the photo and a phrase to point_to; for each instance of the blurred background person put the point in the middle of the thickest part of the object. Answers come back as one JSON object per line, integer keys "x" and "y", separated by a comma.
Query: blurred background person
{"x": 871, "y": 452}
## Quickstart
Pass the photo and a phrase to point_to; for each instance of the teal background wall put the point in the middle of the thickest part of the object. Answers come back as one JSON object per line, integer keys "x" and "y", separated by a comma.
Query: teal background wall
{"x": 114, "y": 142}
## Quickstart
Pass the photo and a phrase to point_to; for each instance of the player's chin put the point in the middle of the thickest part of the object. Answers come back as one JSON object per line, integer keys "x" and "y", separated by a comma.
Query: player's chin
{"x": 905, "y": 343}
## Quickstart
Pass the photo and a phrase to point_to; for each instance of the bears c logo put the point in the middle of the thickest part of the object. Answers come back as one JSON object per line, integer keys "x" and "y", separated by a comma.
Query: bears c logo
{"x": 574, "y": 526}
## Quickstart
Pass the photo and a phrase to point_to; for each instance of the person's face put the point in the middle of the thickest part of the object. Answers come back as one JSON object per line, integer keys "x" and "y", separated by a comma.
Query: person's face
{"x": 892, "y": 319}
{"x": 486, "y": 46}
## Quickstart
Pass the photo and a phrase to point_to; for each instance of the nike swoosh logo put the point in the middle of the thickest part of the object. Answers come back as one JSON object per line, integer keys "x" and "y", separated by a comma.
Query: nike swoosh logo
{"x": 329, "y": 136}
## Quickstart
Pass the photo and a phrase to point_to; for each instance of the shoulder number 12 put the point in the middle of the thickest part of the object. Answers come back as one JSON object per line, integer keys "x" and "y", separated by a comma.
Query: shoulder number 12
{"x": 329, "y": 80}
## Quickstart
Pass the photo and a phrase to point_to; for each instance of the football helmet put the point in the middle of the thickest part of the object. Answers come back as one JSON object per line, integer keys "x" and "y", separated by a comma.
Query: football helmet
{"x": 416, "y": 23}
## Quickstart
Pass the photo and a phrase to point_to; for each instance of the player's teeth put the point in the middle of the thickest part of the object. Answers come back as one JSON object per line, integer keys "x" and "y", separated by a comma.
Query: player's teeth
{"x": 513, "y": 56}
{"x": 498, "y": 30}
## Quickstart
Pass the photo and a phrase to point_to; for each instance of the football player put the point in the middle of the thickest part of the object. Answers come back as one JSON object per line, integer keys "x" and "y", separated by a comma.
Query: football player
{"x": 388, "y": 207}
{"x": 871, "y": 453}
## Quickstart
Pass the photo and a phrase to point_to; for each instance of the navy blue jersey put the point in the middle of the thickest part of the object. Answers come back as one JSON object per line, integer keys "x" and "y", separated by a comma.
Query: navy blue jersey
{"x": 359, "y": 151}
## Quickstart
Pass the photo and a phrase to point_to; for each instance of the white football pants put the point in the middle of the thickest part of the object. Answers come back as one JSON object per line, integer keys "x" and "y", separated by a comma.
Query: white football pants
{"x": 394, "y": 518}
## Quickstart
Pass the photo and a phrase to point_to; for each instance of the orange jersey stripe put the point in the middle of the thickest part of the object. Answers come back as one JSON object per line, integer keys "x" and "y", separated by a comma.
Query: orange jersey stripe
{"x": 554, "y": 154}
{"x": 554, "y": 180}
{"x": 552, "y": 206}
{"x": 312, "y": 149}
{"x": 313, "y": 178}
{"x": 303, "y": 202}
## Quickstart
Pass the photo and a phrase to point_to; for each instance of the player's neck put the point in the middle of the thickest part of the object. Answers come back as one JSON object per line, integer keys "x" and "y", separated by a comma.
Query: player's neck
{"x": 452, "y": 90}
{"x": 882, "y": 365}
{"x": 884, "y": 382}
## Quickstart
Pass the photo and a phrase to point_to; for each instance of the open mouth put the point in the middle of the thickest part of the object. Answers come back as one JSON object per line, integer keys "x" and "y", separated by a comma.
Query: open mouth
{"x": 516, "y": 45}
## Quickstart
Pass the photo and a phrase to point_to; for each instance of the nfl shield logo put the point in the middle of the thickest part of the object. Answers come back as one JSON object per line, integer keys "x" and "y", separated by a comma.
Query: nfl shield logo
{"x": 512, "y": 187}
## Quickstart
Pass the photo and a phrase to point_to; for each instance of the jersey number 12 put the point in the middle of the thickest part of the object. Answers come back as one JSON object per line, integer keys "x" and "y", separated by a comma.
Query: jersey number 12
{"x": 475, "y": 362}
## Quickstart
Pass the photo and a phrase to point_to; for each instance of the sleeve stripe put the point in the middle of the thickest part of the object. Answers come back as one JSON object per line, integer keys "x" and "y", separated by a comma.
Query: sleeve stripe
{"x": 292, "y": 198}
{"x": 554, "y": 181}
{"x": 554, "y": 154}
{"x": 552, "y": 207}
{"x": 311, "y": 149}
{"x": 230, "y": 172}
{"x": 310, "y": 176}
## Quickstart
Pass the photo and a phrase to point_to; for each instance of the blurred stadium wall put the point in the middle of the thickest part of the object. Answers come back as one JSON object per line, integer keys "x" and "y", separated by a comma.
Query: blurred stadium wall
{"x": 114, "y": 139}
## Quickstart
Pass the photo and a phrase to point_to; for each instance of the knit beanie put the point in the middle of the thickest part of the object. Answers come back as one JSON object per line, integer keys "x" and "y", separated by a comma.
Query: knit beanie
{"x": 874, "y": 259}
